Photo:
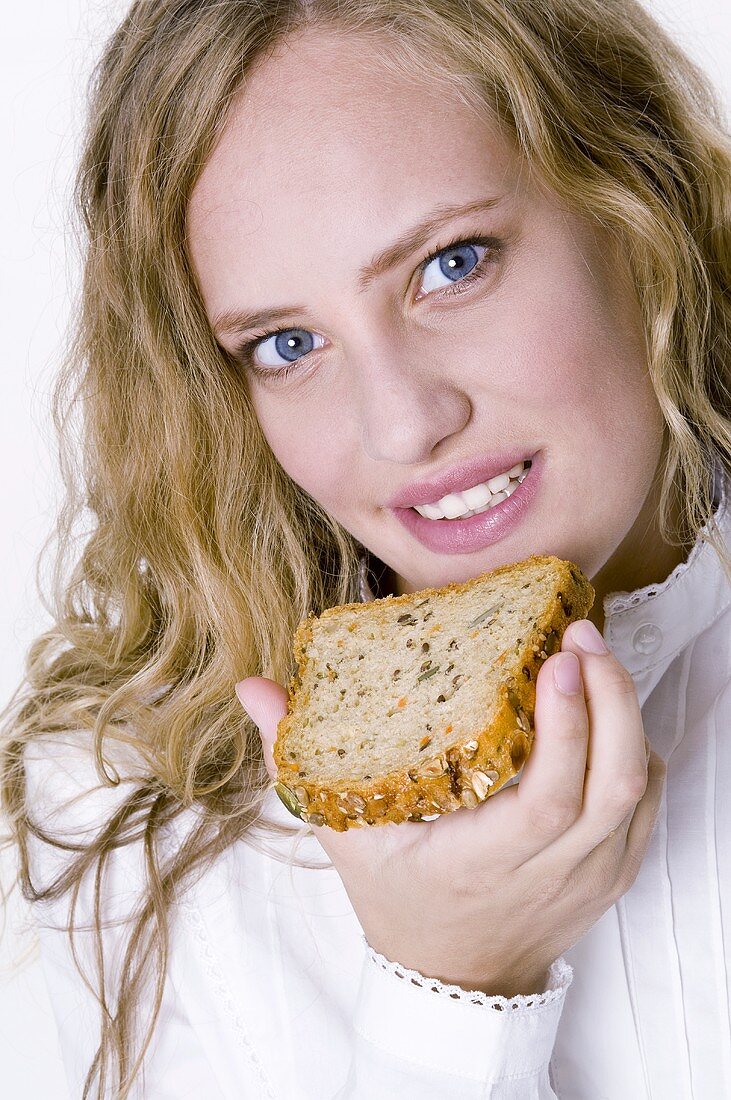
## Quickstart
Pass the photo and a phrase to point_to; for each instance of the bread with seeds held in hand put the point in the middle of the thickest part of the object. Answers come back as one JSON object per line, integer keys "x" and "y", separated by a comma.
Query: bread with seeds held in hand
{"x": 412, "y": 706}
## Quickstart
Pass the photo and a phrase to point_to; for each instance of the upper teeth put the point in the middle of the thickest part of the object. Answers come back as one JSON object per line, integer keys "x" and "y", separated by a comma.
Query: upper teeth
{"x": 477, "y": 499}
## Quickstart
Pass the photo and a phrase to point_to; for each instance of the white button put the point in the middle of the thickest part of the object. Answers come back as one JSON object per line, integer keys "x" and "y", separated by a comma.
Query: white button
{"x": 647, "y": 638}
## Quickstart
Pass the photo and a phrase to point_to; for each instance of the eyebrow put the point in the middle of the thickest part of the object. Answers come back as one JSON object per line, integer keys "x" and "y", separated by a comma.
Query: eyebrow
{"x": 234, "y": 321}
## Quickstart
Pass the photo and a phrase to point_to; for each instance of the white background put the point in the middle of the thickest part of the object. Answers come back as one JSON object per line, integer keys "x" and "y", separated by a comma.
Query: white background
{"x": 49, "y": 47}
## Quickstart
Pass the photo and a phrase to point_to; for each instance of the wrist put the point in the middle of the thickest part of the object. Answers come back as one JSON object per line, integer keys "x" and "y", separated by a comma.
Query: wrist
{"x": 522, "y": 985}
{"x": 528, "y": 981}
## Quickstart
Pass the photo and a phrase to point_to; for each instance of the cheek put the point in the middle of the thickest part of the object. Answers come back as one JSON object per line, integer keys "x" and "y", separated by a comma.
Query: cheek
{"x": 305, "y": 442}
{"x": 580, "y": 368}
{"x": 578, "y": 349}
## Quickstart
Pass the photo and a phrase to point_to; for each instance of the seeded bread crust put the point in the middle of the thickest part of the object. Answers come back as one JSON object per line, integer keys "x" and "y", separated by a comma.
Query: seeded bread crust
{"x": 468, "y": 771}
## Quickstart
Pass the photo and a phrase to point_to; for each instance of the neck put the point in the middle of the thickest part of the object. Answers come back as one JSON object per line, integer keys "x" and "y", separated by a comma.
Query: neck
{"x": 643, "y": 557}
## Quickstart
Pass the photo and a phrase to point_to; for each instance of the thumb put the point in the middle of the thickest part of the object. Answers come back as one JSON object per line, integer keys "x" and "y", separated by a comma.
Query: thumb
{"x": 265, "y": 701}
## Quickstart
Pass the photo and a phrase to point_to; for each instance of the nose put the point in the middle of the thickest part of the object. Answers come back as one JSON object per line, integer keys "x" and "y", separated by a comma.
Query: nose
{"x": 408, "y": 404}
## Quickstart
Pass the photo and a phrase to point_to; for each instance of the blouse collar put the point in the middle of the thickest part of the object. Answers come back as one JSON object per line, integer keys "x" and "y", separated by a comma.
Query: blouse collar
{"x": 648, "y": 627}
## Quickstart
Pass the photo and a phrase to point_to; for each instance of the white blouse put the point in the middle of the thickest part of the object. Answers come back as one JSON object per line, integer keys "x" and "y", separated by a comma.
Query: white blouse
{"x": 273, "y": 992}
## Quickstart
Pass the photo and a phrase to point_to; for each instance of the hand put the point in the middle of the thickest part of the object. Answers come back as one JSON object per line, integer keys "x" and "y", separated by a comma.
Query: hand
{"x": 487, "y": 898}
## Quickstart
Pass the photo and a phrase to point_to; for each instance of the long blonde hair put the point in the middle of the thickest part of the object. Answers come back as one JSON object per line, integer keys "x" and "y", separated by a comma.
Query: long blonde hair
{"x": 203, "y": 555}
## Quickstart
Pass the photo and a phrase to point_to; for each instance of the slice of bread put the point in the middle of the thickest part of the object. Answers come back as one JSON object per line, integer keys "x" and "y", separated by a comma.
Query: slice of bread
{"x": 412, "y": 706}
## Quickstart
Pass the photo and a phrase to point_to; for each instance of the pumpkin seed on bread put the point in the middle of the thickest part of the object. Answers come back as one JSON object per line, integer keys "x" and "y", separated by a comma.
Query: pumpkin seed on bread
{"x": 411, "y": 706}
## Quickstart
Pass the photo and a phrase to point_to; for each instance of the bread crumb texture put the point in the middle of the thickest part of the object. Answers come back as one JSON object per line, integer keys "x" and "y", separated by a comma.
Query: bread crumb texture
{"x": 416, "y": 705}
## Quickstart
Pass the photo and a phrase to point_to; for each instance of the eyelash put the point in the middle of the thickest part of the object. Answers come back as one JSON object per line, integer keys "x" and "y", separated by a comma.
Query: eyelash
{"x": 244, "y": 353}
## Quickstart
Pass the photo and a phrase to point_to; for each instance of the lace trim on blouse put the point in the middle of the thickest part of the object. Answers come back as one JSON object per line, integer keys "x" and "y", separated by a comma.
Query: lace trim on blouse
{"x": 560, "y": 976}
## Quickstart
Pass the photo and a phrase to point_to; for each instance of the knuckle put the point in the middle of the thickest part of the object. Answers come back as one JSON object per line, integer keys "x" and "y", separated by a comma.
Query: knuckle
{"x": 619, "y": 680}
{"x": 553, "y": 817}
{"x": 626, "y": 793}
{"x": 574, "y": 729}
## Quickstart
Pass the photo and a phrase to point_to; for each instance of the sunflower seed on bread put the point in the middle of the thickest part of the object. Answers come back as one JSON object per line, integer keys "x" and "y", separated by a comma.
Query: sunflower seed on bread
{"x": 411, "y": 706}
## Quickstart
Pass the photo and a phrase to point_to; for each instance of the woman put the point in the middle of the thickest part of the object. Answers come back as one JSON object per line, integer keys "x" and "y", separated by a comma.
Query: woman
{"x": 269, "y": 384}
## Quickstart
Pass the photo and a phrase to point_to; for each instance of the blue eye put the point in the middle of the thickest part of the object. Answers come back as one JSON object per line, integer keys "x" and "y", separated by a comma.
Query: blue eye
{"x": 461, "y": 262}
{"x": 290, "y": 343}
{"x": 451, "y": 263}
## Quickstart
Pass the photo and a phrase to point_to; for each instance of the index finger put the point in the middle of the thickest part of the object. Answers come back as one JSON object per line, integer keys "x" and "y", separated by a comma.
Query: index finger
{"x": 548, "y": 799}
{"x": 616, "y": 759}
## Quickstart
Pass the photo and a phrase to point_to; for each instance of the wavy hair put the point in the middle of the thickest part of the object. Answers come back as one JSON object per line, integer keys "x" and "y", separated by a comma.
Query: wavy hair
{"x": 202, "y": 555}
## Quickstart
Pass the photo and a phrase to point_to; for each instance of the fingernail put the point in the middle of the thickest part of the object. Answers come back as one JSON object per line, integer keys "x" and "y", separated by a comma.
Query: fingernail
{"x": 566, "y": 675}
{"x": 588, "y": 637}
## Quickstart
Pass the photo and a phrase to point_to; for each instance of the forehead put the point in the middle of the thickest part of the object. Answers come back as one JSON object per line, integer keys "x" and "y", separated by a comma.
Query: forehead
{"x": 327, "y": 145}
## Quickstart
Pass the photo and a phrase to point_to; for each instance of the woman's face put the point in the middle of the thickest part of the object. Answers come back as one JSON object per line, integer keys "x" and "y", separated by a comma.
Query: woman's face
{"x": 400, "y": 374}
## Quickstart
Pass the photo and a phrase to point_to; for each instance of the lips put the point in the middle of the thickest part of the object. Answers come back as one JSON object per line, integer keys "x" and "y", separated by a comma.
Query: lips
{"x": 463, "y": 475}
{"x": 466, "y": 536}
